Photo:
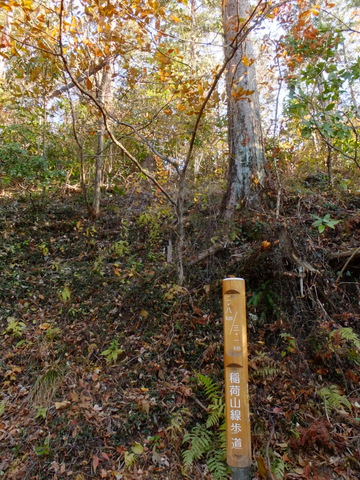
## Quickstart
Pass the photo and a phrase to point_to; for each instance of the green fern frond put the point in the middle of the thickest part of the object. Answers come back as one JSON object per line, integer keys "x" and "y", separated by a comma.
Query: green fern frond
{"x": 266, "y": 372}
{"x": 264, "y": 366}
{"x": 209, "y": 441}
{"x": 216, "y": 412}
{"x": 188, "y": 458}
{"x": 221, "y": 434}
{"x": 347, "y": 334}
{"x": 333, "y": 398}
{"x": 200, "y": 440}
{"x": 211, "y": 388}
{"x": 217, "y": 465}
{"x": 46, "y": 386}
{"x": 278, "y": 468}
{"x": 213, "y": 419}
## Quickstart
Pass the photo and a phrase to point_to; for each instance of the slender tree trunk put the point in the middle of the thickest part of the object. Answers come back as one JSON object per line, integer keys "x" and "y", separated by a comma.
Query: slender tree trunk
{"x": 246, "y": 149}
{"x": 329, "y": 164}
{"x": 44, "y": 145}
{"x": 4, "y": 42}
{"x": 180, "y": 241}
{"x": 80, "y": 146}
{"x": 193, "y": 37}
{"x": 98, "y": 168}
{"x": 103, "y": 89}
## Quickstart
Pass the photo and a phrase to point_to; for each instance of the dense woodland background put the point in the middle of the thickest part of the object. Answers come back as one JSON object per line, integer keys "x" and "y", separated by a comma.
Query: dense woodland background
{"x": 149, "y": 149}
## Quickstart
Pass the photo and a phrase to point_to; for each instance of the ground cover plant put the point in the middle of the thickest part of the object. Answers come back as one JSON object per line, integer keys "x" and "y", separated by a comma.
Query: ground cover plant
{"x": 102, "y": 349}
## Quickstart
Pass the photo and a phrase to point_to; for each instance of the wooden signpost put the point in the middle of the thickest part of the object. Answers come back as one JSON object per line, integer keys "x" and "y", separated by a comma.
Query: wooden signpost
{"x": 238, "y": 434}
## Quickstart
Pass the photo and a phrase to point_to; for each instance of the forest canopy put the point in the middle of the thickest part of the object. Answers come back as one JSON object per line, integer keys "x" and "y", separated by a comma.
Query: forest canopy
{"x": 149, "y": 149}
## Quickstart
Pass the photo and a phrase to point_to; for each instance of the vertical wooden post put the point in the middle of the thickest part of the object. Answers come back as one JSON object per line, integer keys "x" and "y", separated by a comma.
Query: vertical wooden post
{"x": 238, "y": 434}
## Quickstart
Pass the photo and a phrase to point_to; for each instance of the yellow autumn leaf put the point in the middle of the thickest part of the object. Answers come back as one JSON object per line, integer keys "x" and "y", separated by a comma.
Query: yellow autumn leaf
{"x": 44, "y": 326}
{"x": 241, "y": 93}
{"x": 17, "y": 369}
{"x": 247, "y": 61}
{"x": 181, "y": 108}
{"x": 304, "y": 16}
{"x": 28, "y": 3}
{"x": 42, "y": 45}
{"x": 315, "y": 10}
{"x": 265, "y": 244}
{"x": 175, "y": 19}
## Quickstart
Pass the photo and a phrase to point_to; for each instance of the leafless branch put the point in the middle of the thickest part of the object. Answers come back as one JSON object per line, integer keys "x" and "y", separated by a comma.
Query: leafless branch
{"x": 353, "y": 255}
{"x": 347, "y": 27}
{"x": 84, "y": 76}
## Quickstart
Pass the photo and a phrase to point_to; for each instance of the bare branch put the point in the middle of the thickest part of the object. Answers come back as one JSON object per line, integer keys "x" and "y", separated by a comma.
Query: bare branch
{"x": 105, "y": 114}
{"x": 84, "y": 76}
{"x": 347, "y": 27}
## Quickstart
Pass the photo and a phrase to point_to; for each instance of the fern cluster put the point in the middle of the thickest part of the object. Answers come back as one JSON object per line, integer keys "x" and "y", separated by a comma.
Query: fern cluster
{"x": 208, "y": 441}
{"x": 278, "y": 468}
{"x": 264, "y": 366}
{"x": 177, "y": 424}
{"x": 349, "y": 341}
{"x": 333, "y": 398}
{"x": 200, "y": 440}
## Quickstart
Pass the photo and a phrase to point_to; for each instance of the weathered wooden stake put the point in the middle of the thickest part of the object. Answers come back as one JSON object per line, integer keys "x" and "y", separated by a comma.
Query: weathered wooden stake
{"x": 238, "y": 434}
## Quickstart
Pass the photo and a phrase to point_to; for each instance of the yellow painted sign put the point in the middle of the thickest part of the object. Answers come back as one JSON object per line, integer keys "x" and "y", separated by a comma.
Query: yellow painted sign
{"x": 238, "y": 434}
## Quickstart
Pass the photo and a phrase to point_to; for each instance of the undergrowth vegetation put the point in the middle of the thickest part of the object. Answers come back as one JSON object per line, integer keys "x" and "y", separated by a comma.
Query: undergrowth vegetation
{"x": 110, "y": 369}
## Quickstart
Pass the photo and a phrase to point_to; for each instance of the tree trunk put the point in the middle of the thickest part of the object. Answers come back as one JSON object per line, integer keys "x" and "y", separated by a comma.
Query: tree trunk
{"x": 4, "y": 42}
{"x": 329, "y": 164}
{"x": 246, "y": 149}
{"x": 103, "y": 89}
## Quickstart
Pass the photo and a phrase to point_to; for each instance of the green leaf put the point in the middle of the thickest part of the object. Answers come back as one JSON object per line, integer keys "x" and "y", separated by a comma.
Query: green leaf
{"x": 306, "y": 132}
{"x": 137, "y": 448}
{"x": 65, "y": 294}
{"x": 129, "y": 459}
{"x": 112, "y": 352}
{"x": 330, "y": 107}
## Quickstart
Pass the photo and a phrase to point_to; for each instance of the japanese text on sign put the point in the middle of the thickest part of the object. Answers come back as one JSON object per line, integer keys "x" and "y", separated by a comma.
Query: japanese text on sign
{"x": 235, "y": 410}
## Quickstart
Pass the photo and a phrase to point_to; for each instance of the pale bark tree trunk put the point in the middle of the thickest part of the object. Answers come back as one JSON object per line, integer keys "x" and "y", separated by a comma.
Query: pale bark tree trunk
{"x": 246, "y": 149}
{"x": 4, "y": 42}
{"x": 103, "y": 90}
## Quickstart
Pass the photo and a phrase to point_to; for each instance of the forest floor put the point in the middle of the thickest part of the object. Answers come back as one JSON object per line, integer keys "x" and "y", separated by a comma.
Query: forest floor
{"x": 101, "y": 349}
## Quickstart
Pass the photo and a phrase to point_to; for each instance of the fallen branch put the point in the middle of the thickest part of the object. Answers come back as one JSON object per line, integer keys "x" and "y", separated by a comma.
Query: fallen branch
{"x": 206, "y": 253}
{"x": 353, "y": 255}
